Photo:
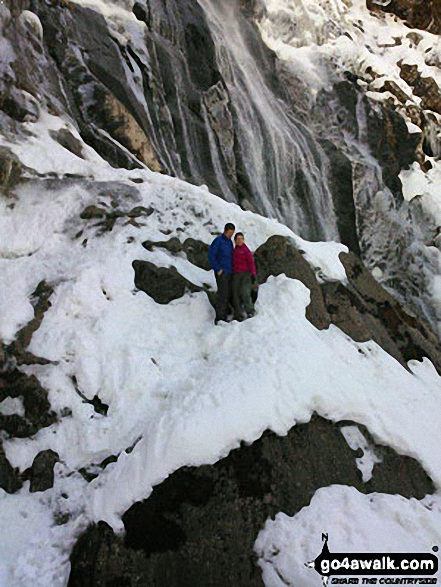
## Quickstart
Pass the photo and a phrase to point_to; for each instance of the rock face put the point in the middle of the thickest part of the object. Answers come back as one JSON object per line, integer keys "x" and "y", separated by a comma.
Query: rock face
{"x": 419, "y": 14}
{"x": 363, "y": 309}
{"x": 198, "y": 527}
{"x": 165, "y": 97}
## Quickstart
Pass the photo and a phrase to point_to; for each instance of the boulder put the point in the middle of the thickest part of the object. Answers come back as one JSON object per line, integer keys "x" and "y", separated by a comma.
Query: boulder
{"x": 41, "y": 473}
{"x": 279, "y": 255}
{"x": 163, "y": 284}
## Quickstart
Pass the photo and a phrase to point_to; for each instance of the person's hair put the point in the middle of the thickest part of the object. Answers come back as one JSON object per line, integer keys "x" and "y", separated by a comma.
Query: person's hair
{"x": 238, "y": 234}
{"x": 229, "y": 226}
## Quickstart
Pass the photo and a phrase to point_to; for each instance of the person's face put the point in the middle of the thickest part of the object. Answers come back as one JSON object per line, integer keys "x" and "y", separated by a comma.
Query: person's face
{"x": 239, "y": 241}
{"x": 229, "y": 233}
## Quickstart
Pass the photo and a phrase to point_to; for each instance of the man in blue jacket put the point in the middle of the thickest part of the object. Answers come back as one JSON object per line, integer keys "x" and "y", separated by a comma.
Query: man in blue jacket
{"x": 220, "y": 256}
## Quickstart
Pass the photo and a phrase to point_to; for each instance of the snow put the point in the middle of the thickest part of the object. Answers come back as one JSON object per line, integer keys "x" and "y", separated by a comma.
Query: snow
{"x": 319, "y": 38}
{"x": 12, "y": 405}
{"x": 162, "y": 368}
{"x": 41, "y": 531}
{"x": 418, "y": 183}
{"x": 184, "y": 391}
{"x": 354, "y": 522}
{"x": 356, "y": 440}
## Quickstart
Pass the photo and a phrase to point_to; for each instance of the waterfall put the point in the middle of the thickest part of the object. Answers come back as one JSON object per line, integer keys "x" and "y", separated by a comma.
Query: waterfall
{"x": 284, "y": 165}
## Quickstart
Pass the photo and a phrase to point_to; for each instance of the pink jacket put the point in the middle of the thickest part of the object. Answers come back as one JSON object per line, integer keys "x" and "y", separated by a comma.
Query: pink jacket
{"x": 243, "y": 261}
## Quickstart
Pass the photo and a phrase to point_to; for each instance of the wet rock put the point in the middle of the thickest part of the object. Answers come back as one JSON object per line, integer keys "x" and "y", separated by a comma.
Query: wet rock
{"x": 281, "y": 255}
{"x": 41, "y": 473}
{"x": 341, "y": 186}
{"x": 163, "y": 284}
{"x": 387, "y": 134}
{"x": 198, "y": 527}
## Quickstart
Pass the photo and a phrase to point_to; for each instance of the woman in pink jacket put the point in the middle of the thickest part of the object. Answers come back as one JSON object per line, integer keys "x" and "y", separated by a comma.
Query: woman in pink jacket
{"x": 244, "y": 275}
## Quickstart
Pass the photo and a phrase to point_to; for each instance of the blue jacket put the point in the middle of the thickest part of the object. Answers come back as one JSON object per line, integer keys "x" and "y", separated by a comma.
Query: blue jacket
{"x": 220, "y": 254}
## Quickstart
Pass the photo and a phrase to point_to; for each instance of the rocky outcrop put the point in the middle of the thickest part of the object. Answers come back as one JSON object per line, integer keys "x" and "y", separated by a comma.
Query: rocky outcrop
{"x": 163, "y": 284}
{"x": 41, "y": 473}
{"x": 196, "y": 251}
{"x": 198, "y": 527}
{"x": 393, "y": 326}
{"x": 362, "y": 308}
{"x": 419, "y": 14}
{"x": 281, "y": 255}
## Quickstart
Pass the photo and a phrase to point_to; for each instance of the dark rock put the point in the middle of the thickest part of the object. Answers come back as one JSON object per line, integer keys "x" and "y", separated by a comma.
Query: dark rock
{"x": 163, "y": 284}
{"x": 19, "y": 106}
{"x": 198, "y": 527}
{"x": 173, "y": 245}
{"x": 67, "y": 140}
{"x": 37, "y": 408}
{"x": 92, "y": 472}
{"x": 197, "y": 253}
{"x": 10, "y": 170}
{"x": 99, "y": 407}
{"x": 412, "y": 336}
{"x": 419, "y": 14}
{"x": 10, "y": 480}
{"x": 362, "y": 309}
{"x": 341, "y": 186}
{"x": 40, "y": 299}
{"x": 92, "y": 212}
{"x": 280, "y": 255}
{"x": 41, "y": 473}
{"x": 424, "y": 87}
{"x": 140, "y": 211}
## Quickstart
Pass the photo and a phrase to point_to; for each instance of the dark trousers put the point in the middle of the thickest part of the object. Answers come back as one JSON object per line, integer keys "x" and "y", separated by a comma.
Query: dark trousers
{"x": 223, "y": 299}
{"x": 242, "y": 294}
